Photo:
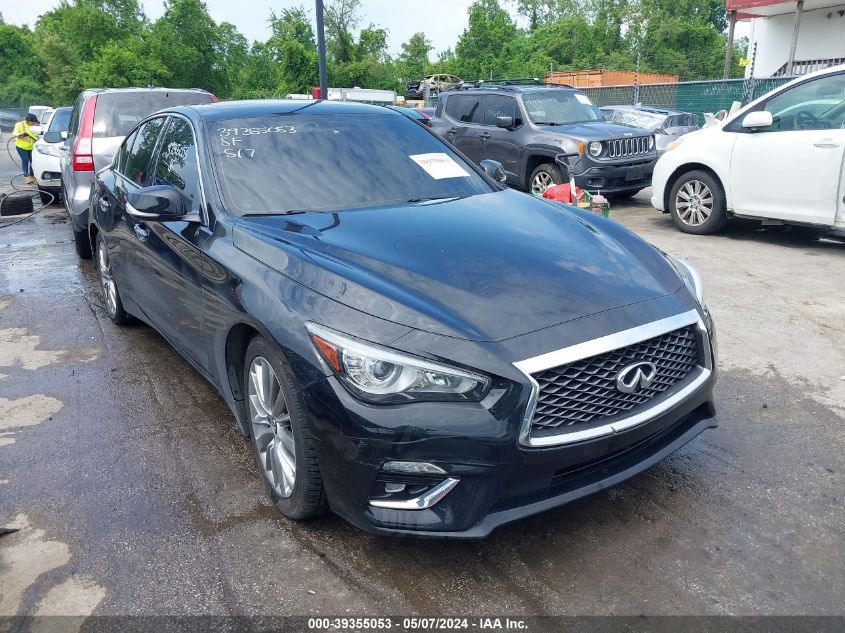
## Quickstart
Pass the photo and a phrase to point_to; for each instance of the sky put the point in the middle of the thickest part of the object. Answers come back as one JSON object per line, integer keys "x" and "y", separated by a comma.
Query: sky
{"x": 442, "y": 20}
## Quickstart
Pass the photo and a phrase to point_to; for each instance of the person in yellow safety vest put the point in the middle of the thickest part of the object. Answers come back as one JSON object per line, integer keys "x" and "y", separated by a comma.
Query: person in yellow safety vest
{"x": 24, "y": 142}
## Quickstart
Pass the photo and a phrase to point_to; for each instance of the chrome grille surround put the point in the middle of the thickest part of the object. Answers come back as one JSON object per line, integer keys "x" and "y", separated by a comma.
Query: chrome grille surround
{"x": 663, "y": 401}
{"x": 624, "y": 147}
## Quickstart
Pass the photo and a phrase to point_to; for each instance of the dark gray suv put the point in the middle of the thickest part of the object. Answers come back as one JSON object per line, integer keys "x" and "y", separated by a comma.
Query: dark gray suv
{"x": 539, "y": 132}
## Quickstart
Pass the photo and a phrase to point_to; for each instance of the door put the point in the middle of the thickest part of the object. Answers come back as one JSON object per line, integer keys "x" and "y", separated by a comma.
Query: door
{"x": 168, "y": 273}
{"x": 498, "y": 143}
{"x": 463, "y": 124}
{"x": 793, "y": 170}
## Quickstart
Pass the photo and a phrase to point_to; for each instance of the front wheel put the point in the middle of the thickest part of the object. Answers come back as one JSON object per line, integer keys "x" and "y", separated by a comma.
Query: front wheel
{"x": 284, "y": 450}
{"x": 543, "y": 177}
{"x": 697, "y": 203}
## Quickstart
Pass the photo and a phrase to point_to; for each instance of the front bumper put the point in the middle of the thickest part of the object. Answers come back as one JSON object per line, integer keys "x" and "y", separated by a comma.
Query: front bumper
{"x": 616, "y": 178}
{"x": 500, "y": 480}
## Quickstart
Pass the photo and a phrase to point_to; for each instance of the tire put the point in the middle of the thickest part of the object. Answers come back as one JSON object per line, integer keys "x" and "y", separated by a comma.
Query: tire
{"x": 543, "y": 176}
{"x": 108, "y": 285}
{"x": 275, "y": 427}
{"x": 15, "y": 204}
{"x": 705, "y": 204}
{"x": 82, "y": 241}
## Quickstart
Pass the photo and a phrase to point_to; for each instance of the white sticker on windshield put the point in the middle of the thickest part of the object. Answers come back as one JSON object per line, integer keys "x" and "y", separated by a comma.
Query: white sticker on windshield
{"x": 439, "y": 165}
{"x": 583, "y": 99}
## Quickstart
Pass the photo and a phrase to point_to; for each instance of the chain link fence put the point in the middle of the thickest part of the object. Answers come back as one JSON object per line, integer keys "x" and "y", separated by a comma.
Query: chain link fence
{"x": 696, "y": 97}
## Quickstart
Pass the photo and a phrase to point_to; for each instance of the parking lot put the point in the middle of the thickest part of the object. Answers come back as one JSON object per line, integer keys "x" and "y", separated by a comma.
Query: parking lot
{"x": 135, "y": 494}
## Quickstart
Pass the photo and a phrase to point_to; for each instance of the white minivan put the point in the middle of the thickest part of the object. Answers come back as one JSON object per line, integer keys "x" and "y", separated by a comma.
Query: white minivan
{"x": 780, "y": 158}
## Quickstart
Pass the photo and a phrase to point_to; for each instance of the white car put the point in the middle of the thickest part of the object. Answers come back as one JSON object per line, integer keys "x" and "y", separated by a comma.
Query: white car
{"x": 781, "y": 158}
{"x": 46, "y": 154}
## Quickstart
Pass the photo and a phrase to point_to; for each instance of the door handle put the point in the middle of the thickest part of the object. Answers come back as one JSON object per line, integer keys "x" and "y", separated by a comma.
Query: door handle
{"x": 826, "y": 143}
{"x": 141, "y": 231}
{"x": 484, "y": 135}
{"x": 451, "y": 130}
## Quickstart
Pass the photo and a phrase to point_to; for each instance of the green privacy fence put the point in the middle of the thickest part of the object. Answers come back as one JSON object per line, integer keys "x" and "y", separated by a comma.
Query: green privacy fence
{"x": 688, "y": 96}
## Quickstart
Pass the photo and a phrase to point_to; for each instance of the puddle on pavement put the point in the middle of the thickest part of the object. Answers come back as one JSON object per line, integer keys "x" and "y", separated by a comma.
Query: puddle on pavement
{"x": 23, "y": 412}
{"x": 19, "y": 347}
{"x": 27, "y": 555}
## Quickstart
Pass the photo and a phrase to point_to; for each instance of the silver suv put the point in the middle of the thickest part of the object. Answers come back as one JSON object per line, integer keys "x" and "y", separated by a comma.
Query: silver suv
{"x": 100, "y": 121}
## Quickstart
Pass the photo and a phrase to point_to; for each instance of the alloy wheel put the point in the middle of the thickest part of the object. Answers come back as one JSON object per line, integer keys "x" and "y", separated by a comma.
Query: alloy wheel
{"x": 107, "y": 283}
{"x": 541, "y": 182}
{"x": 694, "y": 203}
{"x": 271, "y": 427}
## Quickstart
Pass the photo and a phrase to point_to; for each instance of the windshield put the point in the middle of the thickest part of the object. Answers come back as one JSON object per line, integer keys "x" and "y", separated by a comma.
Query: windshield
{"x": 636, "y": 118}
{"x": 58, "y": 124}
{"x": 118, "y": 112}
{"x": 290, "y": 163}
{"x": 560, "y": 107}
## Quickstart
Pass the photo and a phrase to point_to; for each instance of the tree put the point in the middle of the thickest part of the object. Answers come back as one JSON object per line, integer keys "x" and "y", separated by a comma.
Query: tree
{"x": 341, "y": 18}
{"x": 413, "y": 60}
{"x": 294, "y": 52}
{"x": 491, "y": 44}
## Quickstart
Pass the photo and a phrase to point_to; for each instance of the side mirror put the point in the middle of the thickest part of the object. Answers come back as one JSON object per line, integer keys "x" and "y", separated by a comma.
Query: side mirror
{"x": 64, "y": 135}
{"x": 494, "y": 169}
{"x": 157, "y": 203}
{"x": 504, "y": 121}
{"x": 758, "y": 119}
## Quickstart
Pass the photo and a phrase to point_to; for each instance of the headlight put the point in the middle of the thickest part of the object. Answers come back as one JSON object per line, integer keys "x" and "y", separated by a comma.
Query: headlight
{"x": 594, "y": 148}
{"x": 691, "y": 276}
{"x": 674, "y": 144}
{"x": 380, "y": 375}
{"x": 47, "y": 149}
{"x": 651, "y": 142}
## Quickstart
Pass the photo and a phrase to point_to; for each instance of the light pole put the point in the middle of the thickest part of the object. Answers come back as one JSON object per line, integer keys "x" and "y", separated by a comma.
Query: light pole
{"x": 321, "y": 51}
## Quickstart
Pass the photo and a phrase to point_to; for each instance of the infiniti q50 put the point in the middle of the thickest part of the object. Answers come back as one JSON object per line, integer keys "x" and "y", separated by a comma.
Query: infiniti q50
{"x": 405, "y": 341}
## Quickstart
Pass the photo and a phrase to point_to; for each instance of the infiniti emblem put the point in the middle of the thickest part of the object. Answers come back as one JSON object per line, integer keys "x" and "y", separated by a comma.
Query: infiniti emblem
{"x": 638, "y": 375}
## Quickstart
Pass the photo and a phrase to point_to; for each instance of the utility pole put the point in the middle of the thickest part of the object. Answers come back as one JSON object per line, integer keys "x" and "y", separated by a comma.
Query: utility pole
{"x": 321, "y": 51}
{"x": 730, "y": 48}
{"x": 796, "y": 25}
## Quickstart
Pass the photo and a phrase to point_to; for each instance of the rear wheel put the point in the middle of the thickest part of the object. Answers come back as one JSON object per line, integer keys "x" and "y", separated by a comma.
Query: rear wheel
{"x": 543, "y": 177}
{"x": 697, "y": 203}
{"x": 284, "y": 450}
{"x": 108, "y": 285}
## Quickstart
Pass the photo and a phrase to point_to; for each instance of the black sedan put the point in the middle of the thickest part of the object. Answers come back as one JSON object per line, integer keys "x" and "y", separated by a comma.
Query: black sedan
{"x": 404, "y": 340}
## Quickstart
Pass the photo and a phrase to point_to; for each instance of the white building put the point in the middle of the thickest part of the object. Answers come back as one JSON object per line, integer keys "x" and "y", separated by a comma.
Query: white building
{"x": 805, "y": 35}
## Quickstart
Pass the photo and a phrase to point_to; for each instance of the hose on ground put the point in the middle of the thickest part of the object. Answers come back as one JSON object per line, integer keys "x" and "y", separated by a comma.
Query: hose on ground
{"x": 21, "y": 192}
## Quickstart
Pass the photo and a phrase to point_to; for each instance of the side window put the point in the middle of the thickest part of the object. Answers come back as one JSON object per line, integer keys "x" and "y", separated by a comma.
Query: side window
{"x": 73, "y": 126}
{"x": 814, "y": 105}
{"x": 177, "y": 161}
{"x": 464, "y": 108}
{"x": 498, "y": 105}
{"x": 123, "y": 152}
{"x": 138, "y": 159}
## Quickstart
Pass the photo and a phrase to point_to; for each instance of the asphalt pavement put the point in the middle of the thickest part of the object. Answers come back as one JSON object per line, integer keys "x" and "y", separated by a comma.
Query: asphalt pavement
{"x": 134, "y": 493}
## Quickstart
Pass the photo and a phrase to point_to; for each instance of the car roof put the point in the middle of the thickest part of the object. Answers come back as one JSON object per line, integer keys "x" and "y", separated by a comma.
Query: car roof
{"x": 140, "y": 89}
{"x": 642, "y": 109}
{"x": 523, "y": 89}
{"x": 268, "y": 107}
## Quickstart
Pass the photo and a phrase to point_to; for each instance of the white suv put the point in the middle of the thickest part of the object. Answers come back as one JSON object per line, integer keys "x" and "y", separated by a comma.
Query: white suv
{"x": 779, "y": 158}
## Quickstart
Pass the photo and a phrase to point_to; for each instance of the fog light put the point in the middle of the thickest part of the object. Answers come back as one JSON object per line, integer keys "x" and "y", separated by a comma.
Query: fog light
{"x": 391, "y": 488}
{"x": 413, "y": 468}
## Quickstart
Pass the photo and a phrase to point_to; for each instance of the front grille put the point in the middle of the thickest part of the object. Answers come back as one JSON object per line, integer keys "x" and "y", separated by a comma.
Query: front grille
{"x": 585, "y": 391}
{"x": 623, "y": 147}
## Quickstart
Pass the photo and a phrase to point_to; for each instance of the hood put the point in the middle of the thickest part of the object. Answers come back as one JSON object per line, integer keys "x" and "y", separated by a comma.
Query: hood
{"x": 595, "y": 130}
{"x": 487, "y": 267}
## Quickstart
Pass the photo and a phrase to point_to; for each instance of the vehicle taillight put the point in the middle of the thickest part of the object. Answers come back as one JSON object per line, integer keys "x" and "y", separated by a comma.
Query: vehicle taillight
{"x": 83, "y": 148}
{"x": 214, "y": 99}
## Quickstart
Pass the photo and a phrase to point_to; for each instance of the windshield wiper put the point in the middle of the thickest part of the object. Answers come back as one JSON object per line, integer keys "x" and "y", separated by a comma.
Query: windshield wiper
{"x": 435, "y": 199}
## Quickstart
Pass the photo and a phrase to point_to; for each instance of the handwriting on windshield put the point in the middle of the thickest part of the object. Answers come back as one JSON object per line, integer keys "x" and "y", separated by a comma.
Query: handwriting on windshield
{"x": 233, "y": 140}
